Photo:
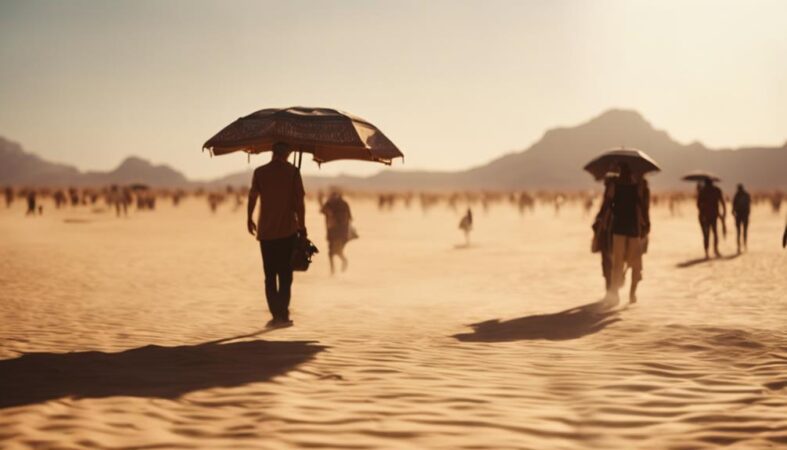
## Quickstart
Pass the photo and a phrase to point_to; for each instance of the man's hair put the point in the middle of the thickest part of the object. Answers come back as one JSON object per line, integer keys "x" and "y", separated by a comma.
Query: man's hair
{"x": 281, "y": 149}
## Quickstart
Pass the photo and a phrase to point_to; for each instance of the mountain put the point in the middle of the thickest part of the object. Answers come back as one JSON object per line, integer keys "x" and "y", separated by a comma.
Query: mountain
{"x": 553, "y": 162}
{"x": 138, "y": 170}
{"x": 556, "y": 161}
{"x": 20, "y": 168}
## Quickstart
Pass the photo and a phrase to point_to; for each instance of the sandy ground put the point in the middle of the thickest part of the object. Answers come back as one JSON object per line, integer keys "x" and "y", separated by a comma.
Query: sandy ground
{"x": 139, "y": 333}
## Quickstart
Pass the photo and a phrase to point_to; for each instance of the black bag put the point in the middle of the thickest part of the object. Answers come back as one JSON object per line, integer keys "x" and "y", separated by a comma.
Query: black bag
{"x": 303, "y": 248}
{"x": 302, "y": 251}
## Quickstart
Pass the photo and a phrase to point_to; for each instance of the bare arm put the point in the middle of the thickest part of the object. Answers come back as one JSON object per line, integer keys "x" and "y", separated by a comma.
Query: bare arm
{"x": 735, "y": 202}
{"x": 300, "y": 206}
{"x": 784, "y": 238}
{"x": 723, "y": 204}
{"x": 252, "y": 203}
{"x": 646, "y": 208}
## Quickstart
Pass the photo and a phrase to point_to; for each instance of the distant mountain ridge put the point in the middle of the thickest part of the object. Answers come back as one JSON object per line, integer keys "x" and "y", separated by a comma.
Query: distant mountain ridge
{"x": 20, "y": 168}
{"x": 556, "y": 161}
{"x": 553, "y": 162}
{"x": 138, "y": 170}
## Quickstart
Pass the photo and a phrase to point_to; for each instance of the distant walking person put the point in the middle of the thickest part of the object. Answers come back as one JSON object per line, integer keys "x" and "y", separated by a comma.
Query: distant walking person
{"x": 709, "y": 198}
{"x": 115, "y": 198}
{"x": 279, "y": 188}
{"x": 466, "y": 225}
{"x": 31, "y": 203}
{"x": 630, "y": 203}
{"x": 784, "y": 236}
{"x": 741, "y": 206}
{"x": 9, "y": 196}
{"x": 337, "y": 224}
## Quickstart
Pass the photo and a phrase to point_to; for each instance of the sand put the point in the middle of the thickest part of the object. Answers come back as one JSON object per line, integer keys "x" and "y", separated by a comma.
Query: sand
{"x": 144, "y": 333}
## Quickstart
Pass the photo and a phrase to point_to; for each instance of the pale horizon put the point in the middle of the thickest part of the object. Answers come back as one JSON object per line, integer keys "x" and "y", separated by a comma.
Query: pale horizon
{"x": 453, "y": 84}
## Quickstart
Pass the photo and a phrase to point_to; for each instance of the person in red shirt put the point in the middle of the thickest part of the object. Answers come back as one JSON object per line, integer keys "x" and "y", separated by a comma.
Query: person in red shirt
{"x": 279, "y": 188}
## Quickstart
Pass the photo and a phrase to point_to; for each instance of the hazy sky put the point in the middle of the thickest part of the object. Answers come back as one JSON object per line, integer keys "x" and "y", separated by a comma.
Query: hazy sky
{"x": 452, "y": 83}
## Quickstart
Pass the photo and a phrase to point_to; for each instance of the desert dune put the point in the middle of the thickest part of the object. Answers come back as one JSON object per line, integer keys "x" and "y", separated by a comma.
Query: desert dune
{"x": 147, "y": 332}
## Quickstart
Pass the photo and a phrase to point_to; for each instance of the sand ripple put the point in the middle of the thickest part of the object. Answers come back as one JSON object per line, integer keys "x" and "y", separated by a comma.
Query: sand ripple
{"x": 143, "y": 334}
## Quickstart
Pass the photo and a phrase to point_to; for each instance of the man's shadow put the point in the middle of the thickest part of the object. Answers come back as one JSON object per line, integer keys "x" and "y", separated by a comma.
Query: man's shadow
{"x": 149, "y": 371}
{"x": 572, "y": 323}
{"x": 695, "y": 261}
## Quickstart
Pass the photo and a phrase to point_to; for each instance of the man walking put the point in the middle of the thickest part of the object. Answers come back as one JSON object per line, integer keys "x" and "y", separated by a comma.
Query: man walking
{"x": 9, "y": 196}
{"x": 279, "y": 187}
{"x": 31, "y": 203}
{"x": 466, "y": 225}
{"x": 709, "y": 197}
{"x": 741, "y": 206}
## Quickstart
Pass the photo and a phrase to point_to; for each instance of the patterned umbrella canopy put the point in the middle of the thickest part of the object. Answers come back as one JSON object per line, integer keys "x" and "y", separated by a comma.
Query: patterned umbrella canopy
{"x": 326, "y": 133}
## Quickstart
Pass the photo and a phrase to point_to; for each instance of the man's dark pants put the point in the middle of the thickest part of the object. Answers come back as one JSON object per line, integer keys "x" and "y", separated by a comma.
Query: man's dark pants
{"x": 276, "y": 254}
{"x": 708, "y": 225}
{"x": 742, "y": 224}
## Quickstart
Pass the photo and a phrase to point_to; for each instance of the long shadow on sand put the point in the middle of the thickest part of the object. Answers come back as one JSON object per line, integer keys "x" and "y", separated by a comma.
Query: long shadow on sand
{"x": 695, "y": 261}
{"x": 150, "y": 371}
{"x": 572, "y": 323}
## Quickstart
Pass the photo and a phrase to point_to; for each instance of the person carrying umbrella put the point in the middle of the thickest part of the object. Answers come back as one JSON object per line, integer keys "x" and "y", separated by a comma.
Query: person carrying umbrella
{"x": 279, "y": 187}
{"x": 328, "y": 135}
{"x": 623, "y": 224}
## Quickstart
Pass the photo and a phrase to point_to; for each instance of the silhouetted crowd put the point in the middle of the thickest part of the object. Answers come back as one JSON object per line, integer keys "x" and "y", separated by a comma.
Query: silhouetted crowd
{"x": 121, "y": 199}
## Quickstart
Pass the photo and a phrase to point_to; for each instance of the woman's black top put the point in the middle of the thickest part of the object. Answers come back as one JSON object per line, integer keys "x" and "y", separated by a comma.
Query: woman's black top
{"x": 624, "y": 210}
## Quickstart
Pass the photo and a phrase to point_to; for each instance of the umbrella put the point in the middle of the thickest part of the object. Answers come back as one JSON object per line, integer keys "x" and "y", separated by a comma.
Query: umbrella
{"x": 638, "y": 161}
{"x": 700, "y": 175}
{"x": 326, "y": 133}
